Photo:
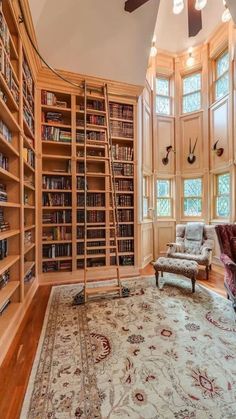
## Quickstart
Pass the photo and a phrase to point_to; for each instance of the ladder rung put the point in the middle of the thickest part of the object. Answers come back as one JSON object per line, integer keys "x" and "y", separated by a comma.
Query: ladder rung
{"x": 102, "y": 290}
{"x": 103, "y": 268}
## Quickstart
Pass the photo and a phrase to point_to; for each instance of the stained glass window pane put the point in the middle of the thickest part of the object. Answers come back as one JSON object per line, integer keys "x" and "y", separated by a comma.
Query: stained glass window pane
{"x": 223, "y": 186}
{"x": 163, "y": 188}
{"x": 163, "y": 105}
{"x": 193, "y": 207}
{"x": 223, "y": 206}
{"x": 222, "y": 64}
{"x": 191, "y": 83}
{"x": 192, "y": 187}
{"x": 162, "y": 86}
{"x": 222, "y": 86}
{"x": 192, "y": 102}
{"x": 163, "y": 207}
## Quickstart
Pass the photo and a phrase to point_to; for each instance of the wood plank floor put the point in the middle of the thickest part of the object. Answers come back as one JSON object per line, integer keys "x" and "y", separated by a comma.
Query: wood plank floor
{"x": 15, "y": 370}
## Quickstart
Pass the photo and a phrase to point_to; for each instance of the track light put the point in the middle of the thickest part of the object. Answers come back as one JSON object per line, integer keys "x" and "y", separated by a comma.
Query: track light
{"x": 190, "y": 59}
{"x": 200, "y": 4}
{"x": 178, "y": 6}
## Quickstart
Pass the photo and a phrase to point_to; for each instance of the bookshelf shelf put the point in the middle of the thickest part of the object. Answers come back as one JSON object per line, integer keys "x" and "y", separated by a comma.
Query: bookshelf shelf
{"x": 8, "y": 118}
{"x": 9, "y": 233}
{"x": 9, "y": 261}
{"x": 30, "y": 227}
{"x": 7, "y": 291}
{"x": 10, "y": 98}
{"x": 28, "y": 248}
{"x": 62, "y": 143}
{"x": 28, "y": 266}
{"x": 6, "y": 175}
{"x": 9, "y": 204}
{"x": 7, "y": 148}
{"x": 29, "y": 186}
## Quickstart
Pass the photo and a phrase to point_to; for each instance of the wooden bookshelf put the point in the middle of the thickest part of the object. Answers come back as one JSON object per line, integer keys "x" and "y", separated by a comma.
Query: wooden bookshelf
{"x": 62, "y": 182}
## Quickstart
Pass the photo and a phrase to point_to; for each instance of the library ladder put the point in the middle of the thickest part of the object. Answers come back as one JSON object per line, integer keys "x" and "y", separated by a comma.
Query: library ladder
{"x": 86, "y": 292}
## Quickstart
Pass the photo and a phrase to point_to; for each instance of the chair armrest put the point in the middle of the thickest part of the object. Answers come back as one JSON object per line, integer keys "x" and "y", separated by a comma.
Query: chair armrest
{"x": 206, "y": 250}
{"x": 170, "y": 244}
{"x": 229, "y": 263}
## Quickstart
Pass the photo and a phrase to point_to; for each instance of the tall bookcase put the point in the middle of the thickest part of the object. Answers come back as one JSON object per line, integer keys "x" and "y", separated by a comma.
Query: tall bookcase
{"x": 17, "y": 261}
{"x": 64, "y": 140}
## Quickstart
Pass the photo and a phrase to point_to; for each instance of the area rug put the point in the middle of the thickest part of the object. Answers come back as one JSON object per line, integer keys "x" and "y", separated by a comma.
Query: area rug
{"x": 157, "y": 354}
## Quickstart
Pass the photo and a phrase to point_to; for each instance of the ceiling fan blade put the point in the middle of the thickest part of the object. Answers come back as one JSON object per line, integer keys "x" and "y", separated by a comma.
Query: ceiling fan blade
{"x": 232, "y": 8}
{"x": 131, "y": 5}
{"x": 194, "y": 19}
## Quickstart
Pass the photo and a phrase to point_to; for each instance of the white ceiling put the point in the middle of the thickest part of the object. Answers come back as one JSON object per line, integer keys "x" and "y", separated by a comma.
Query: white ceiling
{"x": 172, "y": 30}
{"x": 95, "y": 37}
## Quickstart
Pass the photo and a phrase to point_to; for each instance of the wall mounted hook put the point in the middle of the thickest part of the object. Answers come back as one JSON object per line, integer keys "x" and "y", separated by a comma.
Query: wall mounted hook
{"x": 165, "y": 159}
{"x": 218, "y": 151}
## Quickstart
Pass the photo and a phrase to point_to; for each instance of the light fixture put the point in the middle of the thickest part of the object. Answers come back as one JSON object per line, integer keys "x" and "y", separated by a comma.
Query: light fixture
{"x": 190, "y": 59}
{"x": 200, "y": 4}
{"x": 153, "y": 51}
{"x": 178, "y": 6}
{"x": 226, "y": 16}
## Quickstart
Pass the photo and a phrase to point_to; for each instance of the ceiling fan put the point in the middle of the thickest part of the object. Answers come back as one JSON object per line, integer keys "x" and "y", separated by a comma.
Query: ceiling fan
{"x": 194, "y": 16}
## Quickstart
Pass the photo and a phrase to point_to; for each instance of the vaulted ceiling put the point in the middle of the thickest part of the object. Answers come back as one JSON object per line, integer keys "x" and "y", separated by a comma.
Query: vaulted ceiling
{"x": 95, "y": 37}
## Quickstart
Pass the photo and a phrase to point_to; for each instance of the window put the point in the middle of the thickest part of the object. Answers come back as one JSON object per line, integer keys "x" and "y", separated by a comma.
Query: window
{"x": 222, "y": 75}
{"x": 163, "y": 96}
{"x": 191, "y": 93}
{"x": 193, "y": 197}
{"x": 163, "y": 198}
{"x": 145, "y": 197}
{"x": 223, "y": 195}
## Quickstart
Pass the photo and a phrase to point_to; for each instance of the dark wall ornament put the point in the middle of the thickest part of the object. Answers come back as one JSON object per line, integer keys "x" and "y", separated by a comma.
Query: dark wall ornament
{"x": 218, "y": 151}
{"x": 165, "y": 159}
{"x": 191, "y": 157}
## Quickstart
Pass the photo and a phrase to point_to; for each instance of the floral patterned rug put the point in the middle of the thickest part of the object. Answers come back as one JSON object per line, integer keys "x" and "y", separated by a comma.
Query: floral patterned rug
{"x": 158, "y": 354}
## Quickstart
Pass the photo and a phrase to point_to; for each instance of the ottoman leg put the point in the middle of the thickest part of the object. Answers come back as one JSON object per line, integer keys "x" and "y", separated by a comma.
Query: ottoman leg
{"x": 157, "y": 276}
{"x": 162, "y": 274}
{"x": 193, "y": 284}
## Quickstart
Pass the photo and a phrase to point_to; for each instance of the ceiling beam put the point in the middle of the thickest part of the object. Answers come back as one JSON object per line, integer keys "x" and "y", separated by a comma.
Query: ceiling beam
{"x": 131, "y": 5}
{"x": 232, "y": 8}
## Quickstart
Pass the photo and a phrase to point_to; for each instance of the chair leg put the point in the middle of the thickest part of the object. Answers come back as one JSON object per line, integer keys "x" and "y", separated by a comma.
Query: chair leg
{"x": 157, "y": 276}
{"x": 210, "y": 267}
{"x": 207, "y": 272}
{"x": 162, "y": 274}
{"x": 193, "y": 284}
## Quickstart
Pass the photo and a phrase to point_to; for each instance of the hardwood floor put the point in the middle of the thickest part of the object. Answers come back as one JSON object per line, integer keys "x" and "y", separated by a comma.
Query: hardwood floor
{"x": 15, "y": 370}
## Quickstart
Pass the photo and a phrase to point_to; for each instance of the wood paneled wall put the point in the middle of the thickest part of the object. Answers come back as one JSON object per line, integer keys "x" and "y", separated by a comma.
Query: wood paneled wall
{"x": 215, "y": 121}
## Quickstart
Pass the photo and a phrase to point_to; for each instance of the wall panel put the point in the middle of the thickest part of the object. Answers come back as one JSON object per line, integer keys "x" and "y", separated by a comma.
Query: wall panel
{"x": 164, "y": 232}
{"x": 191, "y": 130}
{"x": 164, "y": 137}
{"x": 146, "y": 243}
{"x": 219, "y": 123}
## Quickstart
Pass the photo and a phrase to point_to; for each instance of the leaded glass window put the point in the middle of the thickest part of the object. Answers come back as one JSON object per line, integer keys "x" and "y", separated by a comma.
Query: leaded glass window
{"x": 163, "y": 96}
{"x": 163, "y": 198}
{"x": 222, "y": 75}
{"x": 223, "y": 195}
{"x": 193, "y": 197}
{"x": 192, "y": 93}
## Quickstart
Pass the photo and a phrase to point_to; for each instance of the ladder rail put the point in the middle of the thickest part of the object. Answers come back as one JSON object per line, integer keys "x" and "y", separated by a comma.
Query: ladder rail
{"x": 85, "y": 190}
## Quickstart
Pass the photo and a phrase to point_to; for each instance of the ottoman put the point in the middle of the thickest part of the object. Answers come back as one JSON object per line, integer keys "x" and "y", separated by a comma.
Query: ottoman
{"x": 188, "y": 268}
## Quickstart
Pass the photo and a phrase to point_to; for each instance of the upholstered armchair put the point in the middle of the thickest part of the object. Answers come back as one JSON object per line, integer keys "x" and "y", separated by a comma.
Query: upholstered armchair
{"x": 194, "y": 241}
{"x": 226, "y": 234}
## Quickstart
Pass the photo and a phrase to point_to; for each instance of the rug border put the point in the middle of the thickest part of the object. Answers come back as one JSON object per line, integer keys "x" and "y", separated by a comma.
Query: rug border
{"x": 30, "y": 387}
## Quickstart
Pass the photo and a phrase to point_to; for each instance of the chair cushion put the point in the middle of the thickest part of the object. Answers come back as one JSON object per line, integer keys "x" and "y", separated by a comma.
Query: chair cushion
{"x": 188, "y": 268}
{"x": 200, "y": 259}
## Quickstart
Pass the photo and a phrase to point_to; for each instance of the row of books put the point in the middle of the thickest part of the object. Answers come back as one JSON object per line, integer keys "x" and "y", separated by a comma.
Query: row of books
{"x": 91, "y": 234}
{"x": 91, "y": 136}
{"x": 6, "y": 70}
{"x": 3, "y": 249}
{"x": 121, "y": 111}
{"x": 28, "y": 96}
{"x": 4, "y": 279}
{"x": 56, "y": 199}
{"x": 3, "y": 193}
{"x": 122, "y": 129}
{"x": 28, "y": 76}
{"x": 52, "y": 117}
{"x": 28, "y": 117}
{"x": 122, "y": 153}
{"x": 91, "y": 119}
{"x": 50, "y": 99}
{"x": 124, "y": 200}
{"x": 124, "y": 185}
{"x": 98, "y": 105}
{"x": 57, "y": 233}
{"x": 28, "y": 237}
{"x": 4, "y": 225}
{"x": 57, "y": 250}
{"x": 29, "y": 156}
{"x": 125, "y": 215}
{"x": 126, "y": 245}
{"x": 93, "y": 216}
{"x": 123, "y": 169}
{"x": 57, "y": 217}
{"x": 4, "y": 162}
{"x": 56, "y": 134}
{"x": 29, "y": 276}
{"x": 57, "y": 266}
{"x": 6, "y": 133}
{"x": 56, "y": 182}
{"x": 93, "y": 200}
{"x": 4, "y": 33}
{"x": 4, "y": 306}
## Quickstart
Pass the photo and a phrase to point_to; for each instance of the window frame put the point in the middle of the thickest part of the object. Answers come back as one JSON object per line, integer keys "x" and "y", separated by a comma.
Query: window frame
{"x": 216, "y": 195}
{"x": 216, "y": 79}
{"x": 160, "y": 76}
{"x": 194, "y": 91}
{"x": 170, "y": 198}
{"x": 146, "y": 196}
{"x": 185, "y": 216}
